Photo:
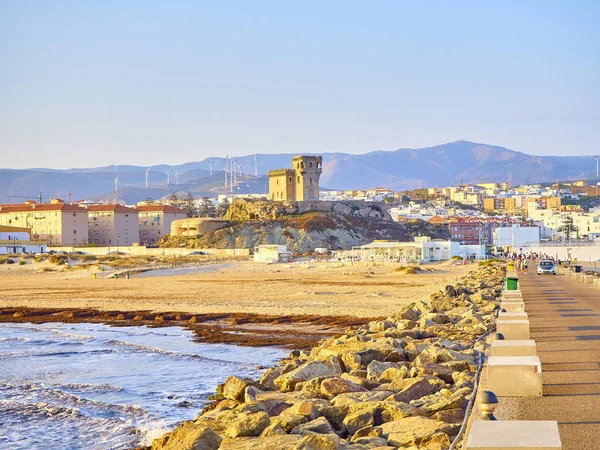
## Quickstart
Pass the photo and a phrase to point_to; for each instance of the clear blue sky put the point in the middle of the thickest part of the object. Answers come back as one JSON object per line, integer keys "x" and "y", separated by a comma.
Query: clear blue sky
{"x": 87, "y": 83}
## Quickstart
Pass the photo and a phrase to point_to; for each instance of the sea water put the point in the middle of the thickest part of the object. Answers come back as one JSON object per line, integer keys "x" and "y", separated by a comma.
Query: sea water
{"x": 91, "y": 386}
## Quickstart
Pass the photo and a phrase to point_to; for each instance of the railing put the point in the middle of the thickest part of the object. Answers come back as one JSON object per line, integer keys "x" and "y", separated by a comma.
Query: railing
{"x": 572, "y": 243}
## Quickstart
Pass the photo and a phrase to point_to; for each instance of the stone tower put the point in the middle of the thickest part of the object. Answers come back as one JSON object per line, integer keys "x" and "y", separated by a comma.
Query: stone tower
{"x": 308, "y": 171}
{"x": 300, "y": 183}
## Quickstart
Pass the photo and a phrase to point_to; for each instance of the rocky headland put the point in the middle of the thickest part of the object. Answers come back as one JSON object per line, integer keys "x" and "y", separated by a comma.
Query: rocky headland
{"x": 399, "y": 383}
{"x": 304, "y": 226}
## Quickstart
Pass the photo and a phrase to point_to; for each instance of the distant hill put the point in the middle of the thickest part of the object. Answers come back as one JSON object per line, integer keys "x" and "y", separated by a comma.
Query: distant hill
{"x": 400, "y": 169}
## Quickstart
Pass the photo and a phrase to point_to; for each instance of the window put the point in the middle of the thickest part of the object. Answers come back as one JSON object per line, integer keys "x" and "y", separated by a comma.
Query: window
{"x": 74, "y": 231}
{"x": 310, "y": 164}
{"x": 298, "y": 178}
{"x": 74, "y": 214}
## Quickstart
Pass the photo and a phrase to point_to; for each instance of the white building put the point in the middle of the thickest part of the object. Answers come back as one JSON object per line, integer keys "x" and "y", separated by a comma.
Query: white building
{"x": 422, "y": 250}
{"x": 516, "y": 236}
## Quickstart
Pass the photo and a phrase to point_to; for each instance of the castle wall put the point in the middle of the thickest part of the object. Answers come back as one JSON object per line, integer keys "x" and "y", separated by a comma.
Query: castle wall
{"x": 282, "y": 185}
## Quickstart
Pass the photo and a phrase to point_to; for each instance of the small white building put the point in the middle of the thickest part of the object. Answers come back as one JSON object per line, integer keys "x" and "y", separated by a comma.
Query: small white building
{"x": 272, "y": 254}
{"x": 18, "y": 240}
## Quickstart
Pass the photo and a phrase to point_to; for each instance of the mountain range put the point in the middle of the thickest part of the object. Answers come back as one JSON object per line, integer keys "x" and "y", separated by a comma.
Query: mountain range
{"x": 401, "y": 169}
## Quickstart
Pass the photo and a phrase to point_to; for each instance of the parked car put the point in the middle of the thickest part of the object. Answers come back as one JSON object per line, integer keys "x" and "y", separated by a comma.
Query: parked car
{"x": 546, "y": 266}
{"x": 197, "y": 252}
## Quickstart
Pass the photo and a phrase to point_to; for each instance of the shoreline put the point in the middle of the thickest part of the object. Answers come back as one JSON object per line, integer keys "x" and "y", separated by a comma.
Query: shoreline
{"x": 293, "y": 332}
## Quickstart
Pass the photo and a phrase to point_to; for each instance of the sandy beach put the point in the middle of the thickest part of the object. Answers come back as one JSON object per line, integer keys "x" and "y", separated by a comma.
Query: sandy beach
{"x": 324, "y": 289}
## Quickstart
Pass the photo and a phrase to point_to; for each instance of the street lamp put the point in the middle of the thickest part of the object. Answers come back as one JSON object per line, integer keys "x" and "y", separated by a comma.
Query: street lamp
{"x": 118, "y": 239}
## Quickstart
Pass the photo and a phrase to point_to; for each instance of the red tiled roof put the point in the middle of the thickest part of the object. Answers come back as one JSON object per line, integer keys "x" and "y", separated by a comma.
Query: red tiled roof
{"x": 162, "y": 208}
{"x": 114, "y": 207}
{"x": 38, "y": 207}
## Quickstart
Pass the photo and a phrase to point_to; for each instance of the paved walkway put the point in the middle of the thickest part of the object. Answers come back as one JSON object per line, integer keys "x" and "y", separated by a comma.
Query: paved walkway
{"x": 565, "y": 323}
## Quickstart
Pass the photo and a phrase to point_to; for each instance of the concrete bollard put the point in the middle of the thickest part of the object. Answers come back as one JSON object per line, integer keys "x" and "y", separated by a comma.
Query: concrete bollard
{"x": 513, "y": 329}
{"x": 516, "y": 293}
{"x": 514, "y": 376}
{"x": 510, "y": 306}
{"x": 513, "y": 315}
{"x": 514, "y": 435}
{"x": 513, "y": 347}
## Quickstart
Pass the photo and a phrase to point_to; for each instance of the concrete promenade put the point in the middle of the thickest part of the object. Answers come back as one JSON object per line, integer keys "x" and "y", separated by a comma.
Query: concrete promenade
{"x": 565, "y": 323}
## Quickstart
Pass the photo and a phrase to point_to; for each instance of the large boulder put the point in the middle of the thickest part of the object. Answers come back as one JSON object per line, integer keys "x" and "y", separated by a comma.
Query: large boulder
{"x": 412, "y": 430}
{"x": 319, "y": 442}
{"x": 309, "y": 370}
{"x": 332, "y": 387}
{"x": 235, "y": 388}
{"x": 248, "y": 425}
{"x": 188, "y": 436}
{"x": 283, "y": 442}
{"x": 319, "y": 425}
{"x": 376, "y": 368}
{"x": 361, "y": 415}
{"x": 413, "y": 388}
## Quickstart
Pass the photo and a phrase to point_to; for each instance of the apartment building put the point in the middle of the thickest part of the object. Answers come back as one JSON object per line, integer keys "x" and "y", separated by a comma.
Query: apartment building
{"x": 499, "y": 205}
{"x": 155, "y": 221}
{"x": 470, "y": 230}
{"x": 56, "y": 223}
{"x": 110, "y": 225}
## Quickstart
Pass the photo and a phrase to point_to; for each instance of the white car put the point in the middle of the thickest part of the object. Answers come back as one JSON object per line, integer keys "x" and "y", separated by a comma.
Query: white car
{"x": 546, "y": 266}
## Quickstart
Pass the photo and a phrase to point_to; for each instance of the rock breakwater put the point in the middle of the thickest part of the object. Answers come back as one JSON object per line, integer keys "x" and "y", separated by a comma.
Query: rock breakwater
{"x": 399, "y": 383}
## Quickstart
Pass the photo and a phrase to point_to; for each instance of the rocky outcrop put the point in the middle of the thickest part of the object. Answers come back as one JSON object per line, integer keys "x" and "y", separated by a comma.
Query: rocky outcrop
{"x": 399, "y": 383}
{"x": 344, "y": 226}
{"x": 242, "y": 210}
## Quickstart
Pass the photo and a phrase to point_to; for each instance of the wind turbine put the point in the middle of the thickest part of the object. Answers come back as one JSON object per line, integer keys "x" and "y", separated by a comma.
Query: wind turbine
{"x": 147, "y": 173}
{"x": 235, "y": 172}
{"x": 597, "y": 159}
{"x": 211, "y": 166}
{"x": 176, "y": 174}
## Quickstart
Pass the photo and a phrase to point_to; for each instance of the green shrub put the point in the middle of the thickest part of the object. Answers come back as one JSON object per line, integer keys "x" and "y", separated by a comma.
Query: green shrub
{"x": 22, "y": 263}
